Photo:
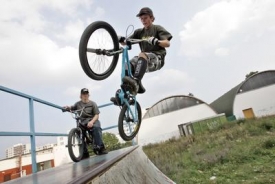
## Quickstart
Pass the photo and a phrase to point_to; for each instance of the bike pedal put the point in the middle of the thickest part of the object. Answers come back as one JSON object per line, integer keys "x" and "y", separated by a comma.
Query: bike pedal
{"x": 126, "y": 87}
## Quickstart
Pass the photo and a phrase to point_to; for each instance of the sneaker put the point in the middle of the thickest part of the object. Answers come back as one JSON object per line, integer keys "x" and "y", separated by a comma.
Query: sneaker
{"x": 113, "y": 99}
{"x": 133, "y": 83}
{"x": 103, "y": 152}
{"x": 141, "y": 89}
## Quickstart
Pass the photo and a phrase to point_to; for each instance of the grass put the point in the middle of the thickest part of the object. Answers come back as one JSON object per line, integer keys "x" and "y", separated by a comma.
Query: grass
{"x": 235, "y": 152}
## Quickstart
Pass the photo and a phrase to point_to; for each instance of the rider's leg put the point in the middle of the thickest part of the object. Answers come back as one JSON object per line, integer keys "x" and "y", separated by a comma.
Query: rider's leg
{"x": 141, "y": 89}
{"x": 97, "y": 135}
{"x": 140, "y": 67}
{"x": 133, "y": 64}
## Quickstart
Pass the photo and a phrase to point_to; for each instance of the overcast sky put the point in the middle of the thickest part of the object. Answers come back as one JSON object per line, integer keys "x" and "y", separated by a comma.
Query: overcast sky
{"x": 215, "y": 44}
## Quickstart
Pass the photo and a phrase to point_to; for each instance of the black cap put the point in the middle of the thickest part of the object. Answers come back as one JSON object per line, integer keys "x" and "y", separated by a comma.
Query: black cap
{"x": 84, "y": 91}
{"x": 145, "y": 11}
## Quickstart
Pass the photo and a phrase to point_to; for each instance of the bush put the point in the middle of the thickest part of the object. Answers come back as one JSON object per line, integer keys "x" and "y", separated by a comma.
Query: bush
{"x": 241, "y": 121}
{"x": 270, "y": 143}
{"x": 267, "y": 125}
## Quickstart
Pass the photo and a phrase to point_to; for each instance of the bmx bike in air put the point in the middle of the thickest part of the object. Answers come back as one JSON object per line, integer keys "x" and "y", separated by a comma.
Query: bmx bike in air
{"x": 98, "y": 53}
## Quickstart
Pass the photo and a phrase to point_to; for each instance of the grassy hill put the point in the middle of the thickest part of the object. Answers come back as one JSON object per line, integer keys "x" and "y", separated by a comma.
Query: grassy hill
{"x": 235, "y": 152}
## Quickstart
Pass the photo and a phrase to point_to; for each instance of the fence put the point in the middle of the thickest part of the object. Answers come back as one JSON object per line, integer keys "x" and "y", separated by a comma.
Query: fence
{"x": 32, "y": 134}
{"x": 198, "y": 126}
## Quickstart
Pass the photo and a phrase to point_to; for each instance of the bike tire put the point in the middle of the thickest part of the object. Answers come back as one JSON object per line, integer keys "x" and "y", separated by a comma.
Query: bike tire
{"x": 71, "y": 135}
{"x": 122, "y": 116}
{"x": 83, "y": 45}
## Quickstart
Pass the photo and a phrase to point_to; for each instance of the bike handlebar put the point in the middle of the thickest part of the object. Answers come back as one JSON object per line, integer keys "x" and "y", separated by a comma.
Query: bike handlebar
{"x": 75, "y": 111}
{"x": 131, "y": 40}
{"x": 111, "y": 52}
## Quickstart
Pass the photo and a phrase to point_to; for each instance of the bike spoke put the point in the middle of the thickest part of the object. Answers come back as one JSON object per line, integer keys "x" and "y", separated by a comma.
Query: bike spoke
{"x": 76, "y": 144}
{"x": 100, "y": 39}
{"x": 129, "y": 125}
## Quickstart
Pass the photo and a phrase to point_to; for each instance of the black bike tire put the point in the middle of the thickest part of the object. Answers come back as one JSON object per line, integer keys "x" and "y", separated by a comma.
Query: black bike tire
{"x": 70, "y": 149}
{"x": 120, "y": 123}
{"x": 83, "y": 48}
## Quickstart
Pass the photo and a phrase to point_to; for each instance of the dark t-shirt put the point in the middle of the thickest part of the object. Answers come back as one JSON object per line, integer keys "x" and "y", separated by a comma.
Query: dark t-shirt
{"x": 88, "y": 112}
{"x": 156, "y": 31}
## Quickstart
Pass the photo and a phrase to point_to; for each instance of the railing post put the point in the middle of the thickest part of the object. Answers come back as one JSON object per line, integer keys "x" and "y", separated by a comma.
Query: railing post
{"x": 32, "y": 137}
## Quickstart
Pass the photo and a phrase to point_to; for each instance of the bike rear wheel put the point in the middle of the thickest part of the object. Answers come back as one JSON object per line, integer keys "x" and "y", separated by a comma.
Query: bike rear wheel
{"x": 127, "y": 126}
{"x": 75, "y": 145}
{"x": 97, "y": 38}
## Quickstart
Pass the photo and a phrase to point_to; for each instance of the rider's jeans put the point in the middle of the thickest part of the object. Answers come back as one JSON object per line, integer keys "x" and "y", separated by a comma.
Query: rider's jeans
{"x": 96, "y": 132}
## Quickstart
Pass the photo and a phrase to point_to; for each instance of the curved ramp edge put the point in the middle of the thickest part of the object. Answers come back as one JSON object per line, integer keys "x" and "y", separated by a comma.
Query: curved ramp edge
{"x": 133, "y": 168}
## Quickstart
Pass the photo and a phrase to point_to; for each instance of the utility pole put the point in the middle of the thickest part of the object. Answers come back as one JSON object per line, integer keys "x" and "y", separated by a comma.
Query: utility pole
{"x": 20, "y": 159}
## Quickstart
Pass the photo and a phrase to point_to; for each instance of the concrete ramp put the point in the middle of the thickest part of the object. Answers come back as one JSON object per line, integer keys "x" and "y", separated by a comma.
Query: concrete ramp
{"x": 128, "y": 165}
{"x": 134, "y": 168}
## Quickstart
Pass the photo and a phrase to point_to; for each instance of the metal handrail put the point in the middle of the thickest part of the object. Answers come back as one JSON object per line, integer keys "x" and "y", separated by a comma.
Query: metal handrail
{"x": 32, "y": 134}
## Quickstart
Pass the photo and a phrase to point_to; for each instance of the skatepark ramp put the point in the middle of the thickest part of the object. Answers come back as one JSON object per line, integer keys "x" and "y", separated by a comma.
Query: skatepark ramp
{"x": 134, "y": 168}
{"x": 128, "y": 165}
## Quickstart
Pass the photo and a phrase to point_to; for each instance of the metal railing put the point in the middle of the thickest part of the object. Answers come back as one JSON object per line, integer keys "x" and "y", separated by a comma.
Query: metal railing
{"x": 32, "y": 134}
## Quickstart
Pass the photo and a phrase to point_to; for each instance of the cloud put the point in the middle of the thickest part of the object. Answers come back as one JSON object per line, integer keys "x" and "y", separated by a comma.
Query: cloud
{"x": 222, "y": 52}
{"x": 31, "y": 53}
{"x": 168, "y": 76}
{"x": 166, "y": 82}
{"x": 226, "y": 23}
{"x": 68, "y": 7}
{"x": 72, "y": 32}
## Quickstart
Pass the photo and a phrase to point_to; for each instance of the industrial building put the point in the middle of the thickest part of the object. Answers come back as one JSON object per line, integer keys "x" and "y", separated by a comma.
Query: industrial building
{"x": 18, "y": 159}
{"x": 254, "y": 97}
{"x": 161, "y": 121}
{"x": 17, "y": 150}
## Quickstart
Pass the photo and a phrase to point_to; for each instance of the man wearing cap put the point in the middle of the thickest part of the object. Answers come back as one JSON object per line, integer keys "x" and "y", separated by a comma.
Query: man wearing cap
{"x": 151, "y": 57}
{"x": 90, "y": 118}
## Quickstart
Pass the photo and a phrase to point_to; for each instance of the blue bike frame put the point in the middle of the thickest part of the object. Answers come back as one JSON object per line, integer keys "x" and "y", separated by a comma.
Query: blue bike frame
{"x": 126, "y": 62}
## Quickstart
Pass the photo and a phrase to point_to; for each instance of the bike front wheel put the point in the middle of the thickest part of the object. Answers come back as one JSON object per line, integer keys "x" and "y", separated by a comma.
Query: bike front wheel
{"x": 75, "y": 145}
{"x": 97, "y": 40}
{"x": 128, "y": 127}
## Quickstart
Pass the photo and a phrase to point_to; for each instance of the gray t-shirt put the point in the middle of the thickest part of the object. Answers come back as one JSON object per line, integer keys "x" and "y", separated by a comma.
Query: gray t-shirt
{"x": 88, "y": 112}
{"x": 156, "y": 31}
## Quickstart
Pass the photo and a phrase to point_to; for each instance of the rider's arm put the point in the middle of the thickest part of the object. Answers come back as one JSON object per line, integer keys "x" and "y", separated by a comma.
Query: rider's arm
{"x": 96, "y": 112}
{"x": 164, "y": 36}
{"x": 71, "y": 108}
{"x": 68, "y": 107}
{"x": 164, "y": 43}
{"x": 91, "y": 123}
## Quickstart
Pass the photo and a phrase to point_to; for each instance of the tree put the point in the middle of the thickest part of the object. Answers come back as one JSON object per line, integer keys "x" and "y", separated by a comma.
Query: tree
{"x": 110, "y": 140}
{"x": 250, "y": 74}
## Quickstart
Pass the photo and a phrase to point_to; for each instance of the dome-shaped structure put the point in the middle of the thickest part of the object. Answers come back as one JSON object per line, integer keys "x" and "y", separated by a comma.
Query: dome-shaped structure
{"x": 171, "y": 104}
{"x": 257, "y": 81}
{"x": 255, "y": 93}
{"x": 161, "y": 121}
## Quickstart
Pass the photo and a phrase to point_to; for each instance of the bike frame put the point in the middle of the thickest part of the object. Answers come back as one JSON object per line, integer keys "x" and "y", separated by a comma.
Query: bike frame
{"x": 76, "y": 116}
{"x": 126, "y": 62}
